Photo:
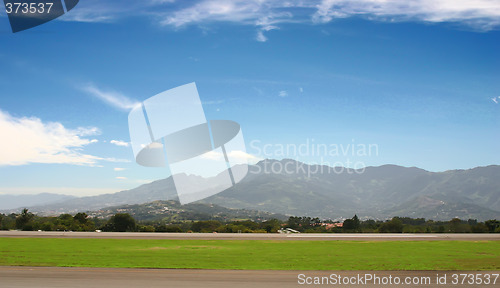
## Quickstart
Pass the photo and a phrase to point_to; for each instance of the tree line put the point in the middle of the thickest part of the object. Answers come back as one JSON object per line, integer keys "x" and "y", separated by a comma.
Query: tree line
{"x": 124, "y": 222}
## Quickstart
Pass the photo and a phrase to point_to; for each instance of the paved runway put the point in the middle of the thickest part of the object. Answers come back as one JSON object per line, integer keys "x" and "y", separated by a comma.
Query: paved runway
{"x": 53, "y": 277}
{"x": 253, "y": 236}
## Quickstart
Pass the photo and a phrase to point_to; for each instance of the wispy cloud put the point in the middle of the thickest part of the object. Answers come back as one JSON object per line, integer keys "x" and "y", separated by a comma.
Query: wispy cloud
{"x": 260, "y": 36}
{"x": 121, "y": 178}
{"x": 267, "y": 15}
{"x": 480, "y": 14}
{"x": 112, "y": 98}
{"x": 98, "y": 11}
{"x": 119, "y": 143}
{"x": 241, "y": 11}
{"x": 235, "y": 156}
{"x": 263, "y": 14}
{"x": 258, "y": 90}
{"x": 118, "y": 169}
{"x": 212, "y": 102}
{"x": 75, "y": 191}
{"x": 30, "y": 140}
{"x": 496, "y": 99}
{"x": 88, "y": 16}
{"x": 283, "y": 93}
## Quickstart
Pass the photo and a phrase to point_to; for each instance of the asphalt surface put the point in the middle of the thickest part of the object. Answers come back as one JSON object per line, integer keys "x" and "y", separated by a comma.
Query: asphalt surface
{"x": 53, "y": 277}
{"x": 252, "y": 236}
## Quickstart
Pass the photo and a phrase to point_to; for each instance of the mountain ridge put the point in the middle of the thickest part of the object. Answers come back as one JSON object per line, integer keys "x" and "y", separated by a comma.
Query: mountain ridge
{"x": 378, "y": 192}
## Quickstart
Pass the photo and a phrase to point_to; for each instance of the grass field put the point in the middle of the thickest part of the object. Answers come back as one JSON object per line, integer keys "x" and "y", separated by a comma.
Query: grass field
{"x": 252, "y": 254}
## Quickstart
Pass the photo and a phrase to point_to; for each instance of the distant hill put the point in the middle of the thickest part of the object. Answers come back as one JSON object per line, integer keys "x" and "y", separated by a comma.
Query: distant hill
{"x": 378, "y": 192}
{"x": 16, "y": 202}
{"x": 158, "y": 190}
{"x": 173, "y": 211}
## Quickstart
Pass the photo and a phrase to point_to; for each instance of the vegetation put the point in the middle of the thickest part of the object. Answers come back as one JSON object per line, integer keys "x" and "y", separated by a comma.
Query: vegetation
{"x": 124, "y": 222}
{"x": 172, "y": 211}
{"x": 252, "y": 254}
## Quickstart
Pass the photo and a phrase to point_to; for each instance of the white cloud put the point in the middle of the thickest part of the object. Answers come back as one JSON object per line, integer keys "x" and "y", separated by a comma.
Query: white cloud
{"x": 154, "y": 145}
{"x": 480, "y": 14}
{"x": 283, "y": 93}
{"x": 258, "y": 90}
{"x": 118, "y": 169}
{"x": 260, "y": 36}
{"x": 496, "y": 99}
{"x": 213, "y": 10}
{"x": 241, "y": 156}
{"x": 119, "y": 143}
{"x": 234, "y": 156}
{"x": 121, "y": 178}
{"x": 301, "y": 90}
{"x": 98, "y": 11}
{"x": 112, "y": 98}
{"x": 267, "y": 15}
{"x": 161, "y": 1}
{"x": 263, "y": 14}
{"x": 88, "y": 15}
{"x": 213, "y": 155}
{"x": 213, "y": 102}
{"x": 29, "y": 140}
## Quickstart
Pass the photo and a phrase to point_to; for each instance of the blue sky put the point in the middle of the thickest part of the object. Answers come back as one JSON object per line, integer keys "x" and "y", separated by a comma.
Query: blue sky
{"x": 419, "y": 80}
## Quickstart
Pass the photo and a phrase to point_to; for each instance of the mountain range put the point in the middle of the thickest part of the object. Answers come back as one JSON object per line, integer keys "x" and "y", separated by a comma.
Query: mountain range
{"x": 294, "y": 188}
{"x": 374, "y": 192}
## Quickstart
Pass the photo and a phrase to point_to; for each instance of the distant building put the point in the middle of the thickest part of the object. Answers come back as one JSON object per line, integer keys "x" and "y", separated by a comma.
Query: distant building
{"x": 329, "y": 226}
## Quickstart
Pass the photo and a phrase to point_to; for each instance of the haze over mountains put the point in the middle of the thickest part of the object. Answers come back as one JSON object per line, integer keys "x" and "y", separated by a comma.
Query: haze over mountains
{"x": 16, "y": 201}
{"x": 311, "y": 190}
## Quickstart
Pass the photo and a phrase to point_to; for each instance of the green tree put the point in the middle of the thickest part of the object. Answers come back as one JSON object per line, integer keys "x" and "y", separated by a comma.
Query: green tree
{"x": 168, "y": 228}
{"x": 369, "y": 224}
{"x": 458, "y": 226}
{"x": 24, "y": 221}
{"x": 348, "y": 224}
{"x": 121, "y": 222}
{"x": 64, "y": 222}
{"x": 393, "y": 226}
{"x": 302, "y": 223}
{"x": 9, "y": 222}
{"x": 206, "y": 226}
{"x": 81, "y": 218}
{"x": 492, "y": 225}
{"x": 146, "y": 228}
{"x": 479, "y": 228}
{"x": 272, "y": 225}
{"x": 352, "y": 224}
{"x": 47, "y": 226}
{"x": 356, "y": 223}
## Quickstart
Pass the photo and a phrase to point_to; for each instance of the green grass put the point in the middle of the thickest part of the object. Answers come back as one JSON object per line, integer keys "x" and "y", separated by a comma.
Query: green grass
{"x": 253, "y": 254}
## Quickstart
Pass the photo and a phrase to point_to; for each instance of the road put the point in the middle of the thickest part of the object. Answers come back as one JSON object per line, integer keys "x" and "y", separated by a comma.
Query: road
{"x": 252, "y": 236}
{"x": 54, "y": 277}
